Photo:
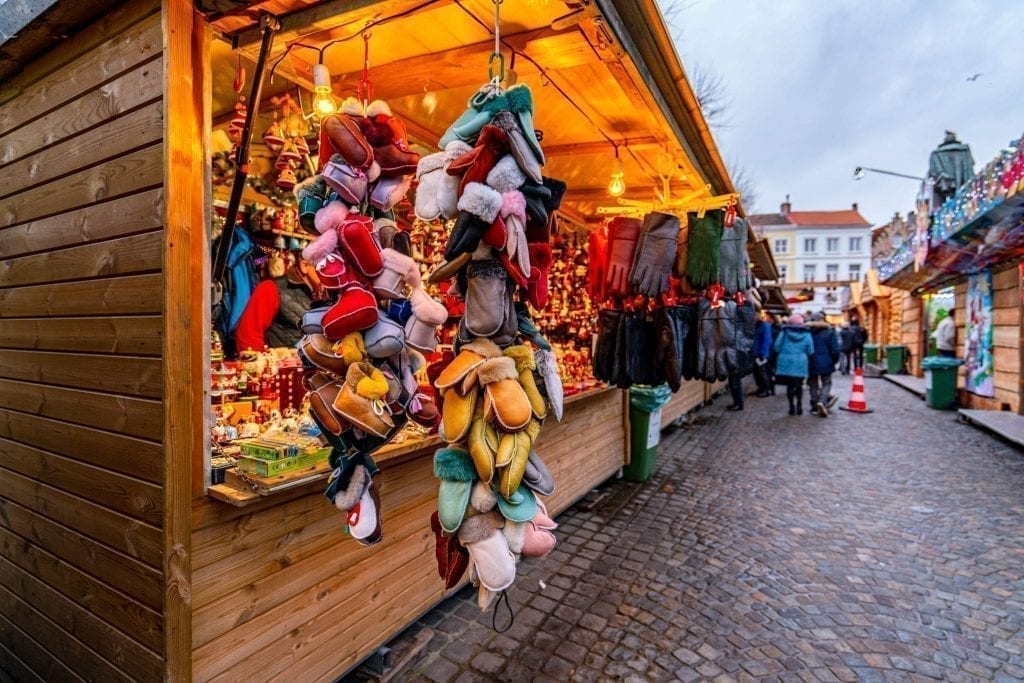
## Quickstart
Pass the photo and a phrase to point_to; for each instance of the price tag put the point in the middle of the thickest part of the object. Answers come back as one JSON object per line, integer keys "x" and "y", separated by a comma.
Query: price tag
{"x": 654, "y": 429}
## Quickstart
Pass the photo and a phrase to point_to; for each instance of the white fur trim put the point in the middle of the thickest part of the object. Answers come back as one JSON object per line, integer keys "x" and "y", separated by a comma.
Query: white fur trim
{"x": 352, "y": 106}
{"x": 480, "y": 200}
{"x": 453, "y": 150}
{"x": 506, "y": 175}
{"x": 483, "y": 497}
{"x": 428, "y": 163}
{"x": 378, "y": 107}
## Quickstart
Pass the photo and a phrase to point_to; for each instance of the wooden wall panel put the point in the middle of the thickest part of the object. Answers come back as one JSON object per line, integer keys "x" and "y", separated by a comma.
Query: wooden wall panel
{"x": 1006, "y": 331}
{"x": 82, "y": 463}
{"x": 689, "y": 396}
{"x": 276, "y": 590}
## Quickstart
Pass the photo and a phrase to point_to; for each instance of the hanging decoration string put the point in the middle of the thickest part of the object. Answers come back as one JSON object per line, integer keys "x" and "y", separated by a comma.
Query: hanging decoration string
{"x": 365, "y": 88}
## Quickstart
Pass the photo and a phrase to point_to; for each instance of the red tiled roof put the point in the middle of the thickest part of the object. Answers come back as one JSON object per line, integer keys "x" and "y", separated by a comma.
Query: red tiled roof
{"x": 823, "y": 218}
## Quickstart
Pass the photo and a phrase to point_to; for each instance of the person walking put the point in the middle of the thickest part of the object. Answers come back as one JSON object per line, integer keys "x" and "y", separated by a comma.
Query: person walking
{"x": 794, "y": 349}
{"x": 762, "y": 350}
{"x": 945, "y": 336}
{"x": 845, "y": 349}
{"x": 858, "y": 339}
{"x": 823, "y": 364}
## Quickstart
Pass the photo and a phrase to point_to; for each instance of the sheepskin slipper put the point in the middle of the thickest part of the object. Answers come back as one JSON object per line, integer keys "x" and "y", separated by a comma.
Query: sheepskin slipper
{"x": 427, "y": 316}
{"x": 505, "y": 402}
{"x": 397, "y": 270}
{"x": 340, "y": 134}
{"x": 361, "y": 400}
{"x": 320, "y": 352}
{"x": 355, "y": 236}
{"x": 311, "y": 195}
{"x": 364, "y": 520}
{"x": 322, "y": 391}
{"x": 355, "y": 310}
{"x": 387, "y": 192}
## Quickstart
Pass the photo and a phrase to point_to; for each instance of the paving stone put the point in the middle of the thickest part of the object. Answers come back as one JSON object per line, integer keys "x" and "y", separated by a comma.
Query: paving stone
{"x": 872, "y": 553}
{"x": 488, "y": 663}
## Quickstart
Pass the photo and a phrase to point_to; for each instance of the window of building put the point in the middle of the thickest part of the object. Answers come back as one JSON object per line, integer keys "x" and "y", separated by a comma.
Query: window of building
{"x": 810, "y": 272}
{"x": 832, "y": 272}
{"x": 783, "y": 271}
{"x": 832, "y": 245}
{"x": 810, "y": 245}
{"x": 855, "y": 272}
{"x": 781, "y": 246}
{"x": 855, "y": 245}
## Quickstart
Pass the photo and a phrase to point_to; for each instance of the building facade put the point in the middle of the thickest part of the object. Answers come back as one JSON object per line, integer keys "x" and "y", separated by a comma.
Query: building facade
{"x": 819, "y": 253}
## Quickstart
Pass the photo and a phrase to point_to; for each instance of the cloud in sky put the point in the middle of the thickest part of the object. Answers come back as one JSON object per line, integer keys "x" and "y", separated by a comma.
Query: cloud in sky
{"x": 817, "y": 88}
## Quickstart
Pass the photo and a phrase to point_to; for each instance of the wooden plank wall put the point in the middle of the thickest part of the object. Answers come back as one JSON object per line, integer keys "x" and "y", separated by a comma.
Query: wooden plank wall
{"x": 910, "y": 329}
{"x": 1006, "y": 324}
{"x": 284, "y": 594}
{"x": 689, "y": 396}
{"x": 81, "y": 421}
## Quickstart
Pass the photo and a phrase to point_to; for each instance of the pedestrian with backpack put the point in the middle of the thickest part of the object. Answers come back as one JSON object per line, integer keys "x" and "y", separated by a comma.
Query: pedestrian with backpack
{"x": 859, "y": 337}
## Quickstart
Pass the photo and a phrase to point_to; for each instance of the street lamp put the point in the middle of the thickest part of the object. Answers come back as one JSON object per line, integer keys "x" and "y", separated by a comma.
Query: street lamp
{"x": 862, "y": 171}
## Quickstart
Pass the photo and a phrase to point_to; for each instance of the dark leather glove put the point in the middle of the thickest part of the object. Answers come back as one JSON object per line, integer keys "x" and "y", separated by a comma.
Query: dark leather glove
{"x": 655, "y": 253}
{"x": 733, "y": 262}
{"x": 673, "y": 326}
{"x": 608, "y": 323}
{"x": 622, "y": 236}
{"x": 641, "y": 349}
{"x": 478, "y": 207}
{"x": 746, "y": 324}
{"x": 716, "y": 356}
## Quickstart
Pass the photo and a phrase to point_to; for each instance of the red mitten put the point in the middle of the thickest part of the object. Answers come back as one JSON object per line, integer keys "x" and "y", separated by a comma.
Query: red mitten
{"x": 355, "y": 235}
{"x": 597, "y": 267}
{"x": 478, "y": 162}
{"x": 540, "y": 264}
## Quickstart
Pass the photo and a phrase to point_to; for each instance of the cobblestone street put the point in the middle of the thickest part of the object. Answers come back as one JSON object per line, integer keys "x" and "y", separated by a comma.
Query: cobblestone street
{"x": 887, "y": 546}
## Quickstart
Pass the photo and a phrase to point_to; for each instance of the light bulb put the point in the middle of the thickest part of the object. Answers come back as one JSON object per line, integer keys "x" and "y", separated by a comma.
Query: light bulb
{"x": 323, "y": 99}
{"x": 617, "y": 185}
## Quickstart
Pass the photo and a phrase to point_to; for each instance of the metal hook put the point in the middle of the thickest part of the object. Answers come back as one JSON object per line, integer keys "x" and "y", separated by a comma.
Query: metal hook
{"x": 500, "y": 76}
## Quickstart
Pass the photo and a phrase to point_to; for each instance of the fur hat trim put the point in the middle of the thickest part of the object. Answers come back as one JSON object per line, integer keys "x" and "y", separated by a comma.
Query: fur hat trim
{"x": 330, "y": 217}
{"x": 347, "y": 498}
{"x": 483, "y": 498}
{"x": 454, "y": 464}
{"x": 513, "y": 204}
{"x": 496, "y": 369}
{"x": 480, "y": 200}
{"x": 506, "y": 175}
{"x": 523, "y": 357}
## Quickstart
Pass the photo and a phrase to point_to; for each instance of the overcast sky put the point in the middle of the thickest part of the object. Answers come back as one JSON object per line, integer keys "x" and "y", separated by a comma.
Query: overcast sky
{"x": 816, "y": 88}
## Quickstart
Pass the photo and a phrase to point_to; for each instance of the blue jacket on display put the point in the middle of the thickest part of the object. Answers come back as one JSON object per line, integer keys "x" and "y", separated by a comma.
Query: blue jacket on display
{"x": 794, "y": 348}
{"x": 826, "y": 348}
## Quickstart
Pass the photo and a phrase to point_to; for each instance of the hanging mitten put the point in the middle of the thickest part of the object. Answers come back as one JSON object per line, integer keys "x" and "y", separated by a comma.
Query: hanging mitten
{"x": 514, "y": 450}
{"x": 538, "y": 477}
{"x": 475, "y": 165}
{"x": 506, "y": 175}
{"x": 538, "y": 540}
{"x": 513, "y": 214}
{"x": 541, "y": 259}
{"x": 489, "y": 556}
{"x": 478, "y": 207}
{"x": 655, "y": 252}
{"x": 703, "y": 248}
{"x": 454, "y": 468}
{"x": 448, "y": 191}
{"x": 733, "y": 262}
{"x": 483, "y": 443}
{"x": 597, "y": 264}
{"x": 505, "y": 402}
{"x": 520, "y": 149}
{"x": 622, "y": 236}
{"x": 452, "y": 558}
{"x": 429, "y": 176}
{"x": 547, "y": 366}
{"x": 673, "y": 328}
{"x": 526, "y": 363}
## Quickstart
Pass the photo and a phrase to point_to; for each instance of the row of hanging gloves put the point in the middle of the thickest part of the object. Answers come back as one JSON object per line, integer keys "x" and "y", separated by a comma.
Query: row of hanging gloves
{"x": 503, "y": 381}
{"x": 364, "y": 345}
{"x": 638, "y": 270}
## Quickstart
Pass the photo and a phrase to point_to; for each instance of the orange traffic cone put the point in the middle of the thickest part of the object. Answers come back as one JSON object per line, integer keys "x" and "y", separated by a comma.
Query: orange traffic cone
{"x": 857, "y": 404}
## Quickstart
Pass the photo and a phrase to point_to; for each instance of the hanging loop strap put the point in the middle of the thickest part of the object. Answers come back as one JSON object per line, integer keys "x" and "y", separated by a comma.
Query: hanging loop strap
{"x": 494, "y": 614}
{"x": 364, "y": 90}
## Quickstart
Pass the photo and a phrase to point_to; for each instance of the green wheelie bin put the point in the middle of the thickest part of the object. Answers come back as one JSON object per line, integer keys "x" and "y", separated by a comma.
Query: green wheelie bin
{"x": 644, "y": 429}
{"x": 871, "y": 353}
{"x": 896, "y": 359}
{"x": 940, "y": 381}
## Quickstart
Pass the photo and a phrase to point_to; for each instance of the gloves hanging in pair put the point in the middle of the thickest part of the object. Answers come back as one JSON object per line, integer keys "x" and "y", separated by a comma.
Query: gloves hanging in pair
{"x": 733, "y": 262}
{"x": 702, "y": 251}
{"x": 716, "y": 351}
{"x": 673, "y": 325}
{"x": 655, "y": 254}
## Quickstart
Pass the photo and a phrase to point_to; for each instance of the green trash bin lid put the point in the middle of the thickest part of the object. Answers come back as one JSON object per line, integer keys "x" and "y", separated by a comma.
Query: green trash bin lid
{"x": 649, "y": 399}
{"x": 871, "y": 346}
{"x": 940, "y": 363}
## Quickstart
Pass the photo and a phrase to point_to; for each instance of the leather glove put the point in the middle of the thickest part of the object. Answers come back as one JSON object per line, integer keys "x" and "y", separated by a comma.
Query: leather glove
{"x": 641, "y": 349}
{"x": 673, "y": 328}
{"x": 705, "y": 238}
{"x": 608, "y": 323}
{"x": 733, "y": 262}
{"x": 746, "y": 324}
{"x": 622, "y": 236}
{"x": 655, "y": 253}
{"x": 692, "y": 342}
{"x": 597, "y": 264}
{"x": 716, "y": 356}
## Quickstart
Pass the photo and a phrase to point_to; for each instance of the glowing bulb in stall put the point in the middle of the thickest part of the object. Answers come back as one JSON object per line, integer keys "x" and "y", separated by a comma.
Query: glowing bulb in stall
{"x": 617, "y": 185}
{"x": 323, "y": 99}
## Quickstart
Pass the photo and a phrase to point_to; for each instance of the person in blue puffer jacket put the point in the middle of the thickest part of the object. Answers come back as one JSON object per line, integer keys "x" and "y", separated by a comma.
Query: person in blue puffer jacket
{"x": 794, "y": 349}
{"x": 762, "y": 350}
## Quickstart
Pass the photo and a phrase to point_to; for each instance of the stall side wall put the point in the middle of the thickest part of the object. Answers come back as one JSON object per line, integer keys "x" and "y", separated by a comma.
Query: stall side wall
{"x": 1006, "y": 302}
{"x": 910, "y": 329}
{"x": 81, "y": 421}
{"x": 284, "y": 592}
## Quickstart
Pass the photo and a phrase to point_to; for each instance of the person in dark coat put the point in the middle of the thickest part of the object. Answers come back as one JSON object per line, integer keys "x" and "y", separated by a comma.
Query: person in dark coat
{"x": 793, "y": 348}
{"x": 762, "y": 351}
{"x": 845, "y": 349}
{"x": 823, "y": 364}
{"x": 859, "y": 337}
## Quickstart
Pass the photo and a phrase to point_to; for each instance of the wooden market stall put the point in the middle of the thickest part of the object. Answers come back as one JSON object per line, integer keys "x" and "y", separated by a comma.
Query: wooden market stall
{"x": 115, "y": 563}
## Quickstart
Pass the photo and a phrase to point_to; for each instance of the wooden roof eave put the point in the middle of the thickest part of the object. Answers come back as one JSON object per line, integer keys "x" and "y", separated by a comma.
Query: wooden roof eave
{"x": 640, "y": 28}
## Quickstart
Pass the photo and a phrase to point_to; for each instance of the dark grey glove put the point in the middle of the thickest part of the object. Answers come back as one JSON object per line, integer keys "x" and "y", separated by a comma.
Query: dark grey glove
{"x": 642, "y": 349}
{"x": 733, "y": 262}
{"x": 655, "y": 254}
{"x": 673, "y": 325}
{"x": 604, "y": 362}
{"x": 746, "y": 324}
{"x": 716, "y": 355}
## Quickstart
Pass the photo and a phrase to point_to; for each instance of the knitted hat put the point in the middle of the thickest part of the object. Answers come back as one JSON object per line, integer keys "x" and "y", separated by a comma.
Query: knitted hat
{"x": 796, "y": 319}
